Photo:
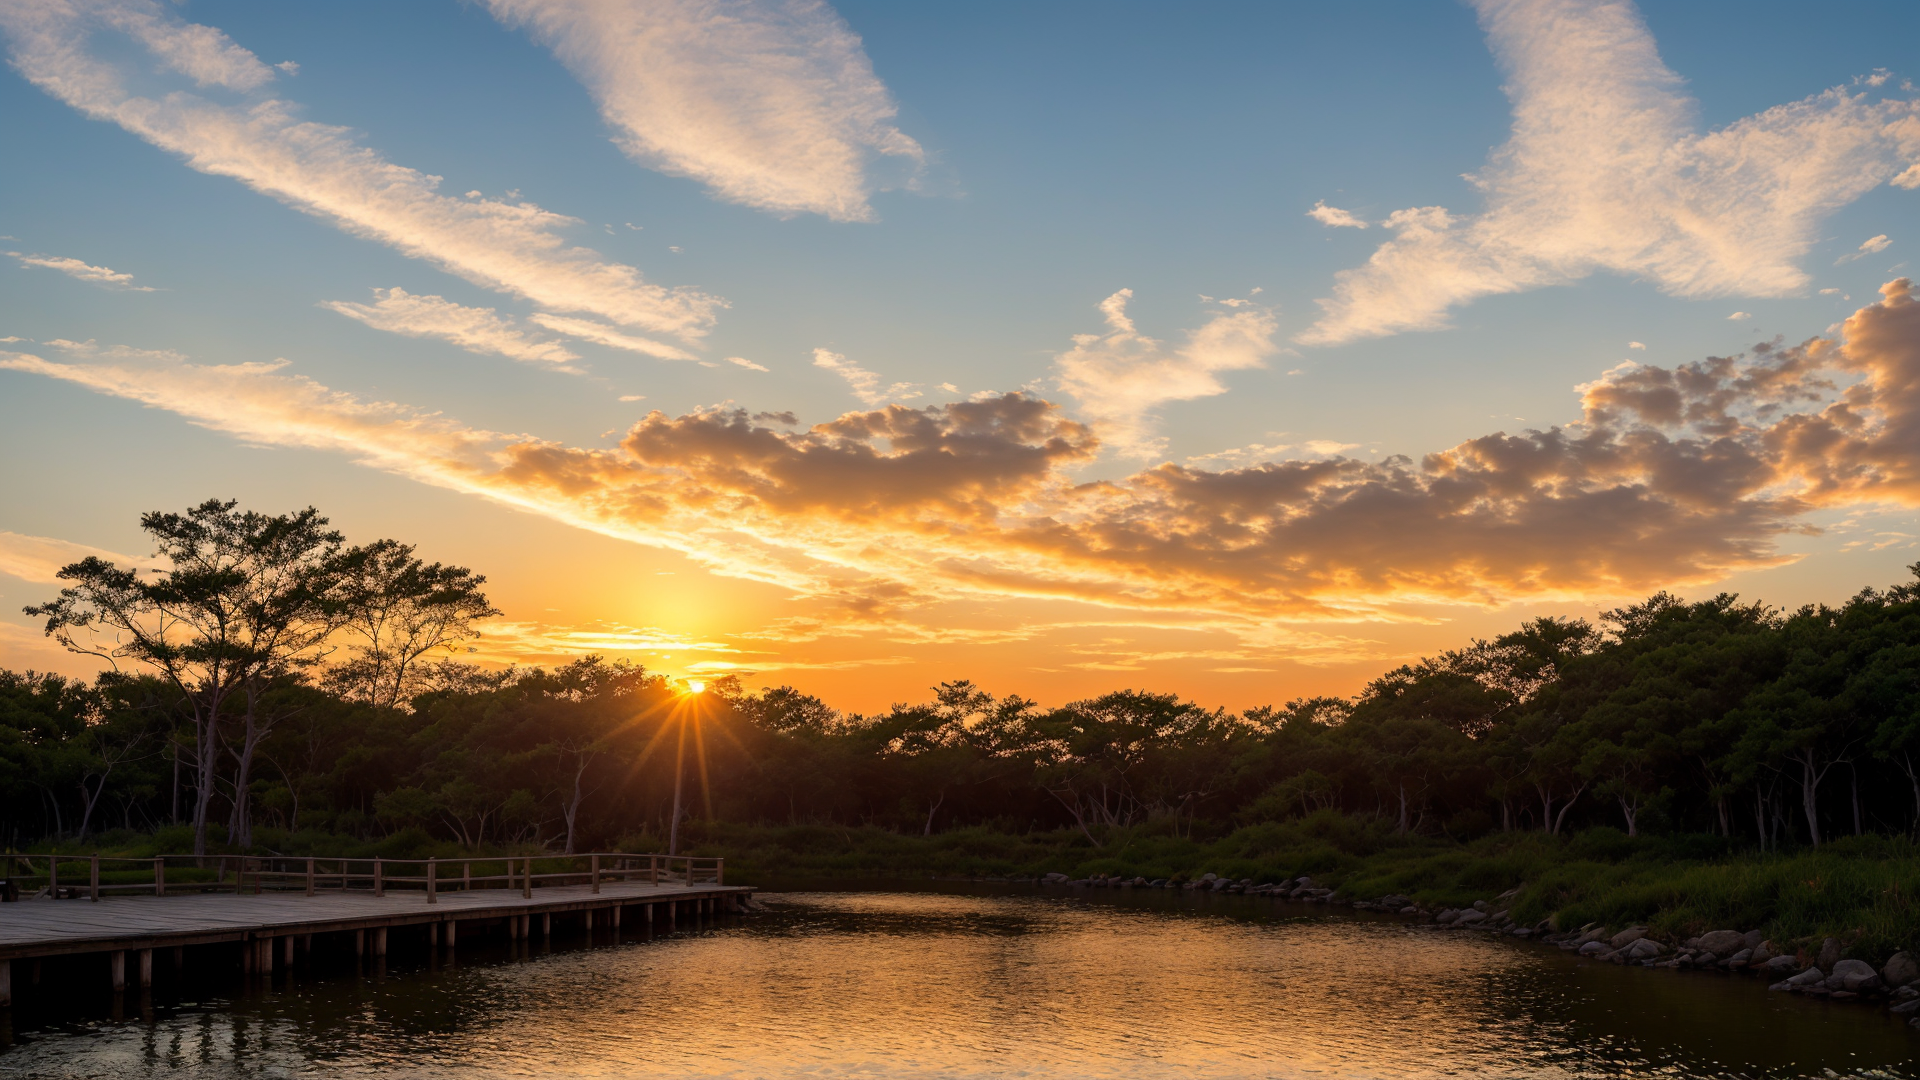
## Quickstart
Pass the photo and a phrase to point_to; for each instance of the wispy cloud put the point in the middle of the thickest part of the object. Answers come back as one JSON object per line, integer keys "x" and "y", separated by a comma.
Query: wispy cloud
{"x": 1605, "y": 170}
{"x": 1335, "y": 218}
{"x": 477, "y": 330}
{"x": 602, "y": 334}
{"x": 105, "y": 276}
{"x": 513, "y": 247}
{"x": 39, "y": 558}
{"x": 770, "y": 103}
{"x": 1120, "y": 376}
{"x": 865, "y": 384}
{"x": 741, "y": 361}
{"x": 1873, "y": 246}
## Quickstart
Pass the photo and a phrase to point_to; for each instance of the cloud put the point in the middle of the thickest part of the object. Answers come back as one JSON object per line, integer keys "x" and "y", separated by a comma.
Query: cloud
{"x": 39, "y": 558}
{"x": 612, "y": 338}
{"x": 1605, "y": 170}
{"x": 1670, "y": 476}
{"x": 1122, "y": 375}
{"x": 1335, "y": 218}
{"x": 772, "y": 104}
{"x": 1636, "y": 345}
{"x": 516, "y": 248}
{"x": 745, "y": 363}
{"x": 477, "y": 330}
{"x": 94, "y": 275}
{"x": 864, "y": 384}
{"x": 1870, "y": 247}
{"x": 1739, "y": 316}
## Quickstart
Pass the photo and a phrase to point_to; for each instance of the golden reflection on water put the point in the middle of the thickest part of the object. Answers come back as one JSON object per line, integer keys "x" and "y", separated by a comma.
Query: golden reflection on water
{"x": 923, "y": 985}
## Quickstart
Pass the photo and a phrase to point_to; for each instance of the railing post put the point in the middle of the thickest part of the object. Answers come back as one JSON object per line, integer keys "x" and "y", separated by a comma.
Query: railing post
{"x": 93, "y": 882}
{"x": 526, "y": 879}
{"x": 53, "y": 875}
{"x": 719, "y": 871}
{"x": 466, "y": 875}
{"x": 309, "y": 876}
{"x": 595, "y": 864}
{"x": 433, "y": 881}
{"x": 653, "y": 869}
{"x": 379, "y": 878}
{"x": 159, "y": 875}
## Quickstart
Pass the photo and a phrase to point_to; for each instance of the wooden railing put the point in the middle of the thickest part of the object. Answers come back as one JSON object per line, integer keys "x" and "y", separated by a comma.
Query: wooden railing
{"x": 89, "y": 877}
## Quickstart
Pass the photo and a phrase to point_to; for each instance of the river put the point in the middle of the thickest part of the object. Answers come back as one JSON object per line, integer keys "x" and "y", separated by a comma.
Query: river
{"x": 967, "y": 982}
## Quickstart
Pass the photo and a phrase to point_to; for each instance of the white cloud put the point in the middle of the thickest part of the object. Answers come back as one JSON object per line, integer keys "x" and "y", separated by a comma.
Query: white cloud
{"x": 745, "y": 363}
{"x": 105, "y": 276}
{"x": 611, "y": 337}
{"x": 1605, "y": 170}
{"x": 479, "y": 330}
{"x": 513, "y": 247}
{"x": 865, "y": 384}
{"x": 1873, "y": 246}
{"x": 1122, "y": 375}
{"x": 39, "y": 558}
{"x": 1829, "y": 292}
{"x": 770, "y": 103}
{"x": 1334, "y": 217}
{"x": 1739, "y": 316}
{"x": 1636, "y": 345}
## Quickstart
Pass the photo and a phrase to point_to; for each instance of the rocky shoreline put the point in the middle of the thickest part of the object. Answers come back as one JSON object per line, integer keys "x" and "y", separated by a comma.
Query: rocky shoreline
{"x": 1821, "y": 973}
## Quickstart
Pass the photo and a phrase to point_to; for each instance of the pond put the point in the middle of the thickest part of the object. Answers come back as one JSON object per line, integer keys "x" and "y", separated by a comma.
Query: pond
{"x": 967, "y": 982}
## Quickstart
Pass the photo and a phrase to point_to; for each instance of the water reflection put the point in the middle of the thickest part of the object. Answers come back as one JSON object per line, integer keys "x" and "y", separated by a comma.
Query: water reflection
{"x": 886, "y": 985}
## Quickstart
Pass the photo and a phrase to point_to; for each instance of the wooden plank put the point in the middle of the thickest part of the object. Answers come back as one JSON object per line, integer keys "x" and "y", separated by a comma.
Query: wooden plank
{"x": 53, "y": 927}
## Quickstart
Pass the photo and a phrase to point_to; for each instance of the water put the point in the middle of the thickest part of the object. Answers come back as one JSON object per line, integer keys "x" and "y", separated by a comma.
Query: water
{"x": 966, "y": 984}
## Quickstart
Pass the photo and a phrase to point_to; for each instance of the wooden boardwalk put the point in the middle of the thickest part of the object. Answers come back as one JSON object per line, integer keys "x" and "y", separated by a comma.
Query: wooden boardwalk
{"x": 270, "y": 926}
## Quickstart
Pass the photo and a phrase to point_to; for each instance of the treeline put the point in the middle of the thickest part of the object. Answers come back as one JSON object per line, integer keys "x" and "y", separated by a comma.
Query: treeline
{"x": 273, "y": 676}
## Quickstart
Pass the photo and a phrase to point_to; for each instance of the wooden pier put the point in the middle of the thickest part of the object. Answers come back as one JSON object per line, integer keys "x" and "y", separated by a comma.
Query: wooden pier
{"x": 274, "y": 909}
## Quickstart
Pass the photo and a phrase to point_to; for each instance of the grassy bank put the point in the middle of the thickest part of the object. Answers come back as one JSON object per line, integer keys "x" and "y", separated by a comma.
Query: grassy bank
{"x": 1863, "y": 890}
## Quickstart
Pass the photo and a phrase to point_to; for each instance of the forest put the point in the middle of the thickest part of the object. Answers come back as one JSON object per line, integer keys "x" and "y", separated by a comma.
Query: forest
{"x": 265, "y": 676}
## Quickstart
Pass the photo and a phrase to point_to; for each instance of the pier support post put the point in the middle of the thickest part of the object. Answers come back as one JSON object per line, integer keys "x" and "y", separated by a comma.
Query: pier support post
{"x": 249, "y": 953}
{"x": 359, "y": 944}
{"x": 146, "y": 969}
{"x": 589, "y": 921}
{"x": 6, "y": 983}
{"x": 117, "y": 969}
{"x": 616, "y": 916}
{"x": 265, "y": 945}
{"x": 286, "y": 951}
{"x": 546, "y": 925}
{"x": 433, "y": 937}
{"x": 452, "y": 933}
{"x": 646, "y": 914}
{"x": 380, "y": 941}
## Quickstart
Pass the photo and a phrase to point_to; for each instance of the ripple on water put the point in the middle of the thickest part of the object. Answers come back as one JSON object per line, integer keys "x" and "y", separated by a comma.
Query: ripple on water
{"x": 845, "y": 986}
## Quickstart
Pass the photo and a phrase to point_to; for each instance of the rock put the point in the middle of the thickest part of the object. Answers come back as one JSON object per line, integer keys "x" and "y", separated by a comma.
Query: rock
{"x": 1592, "y": 934}
{"x": 1762, "y": 953}
{"x": 1447, "y": 917}
{"x": 1782, "y": 965}
{"x": 1842, "y": 995}
{"x": 1480, "y": 906}
{"x": 1740, "y": 959}
{"x": 1627, "y": 937}
{"x": 1410, "y": 910}
{"x": 1853, "y": 976}
{"x": 1055, "y": 877}
{"x": 1900, "y": 969}
{"x": 1721, "y": 942}
{"x": 1829, "y": 955}
{"x": 1594, "y": 948}
{"x": 1752, "y": 939}
{"x": 1471, "y": 917}
{"x": 1811, "y": 977}
{"x": 1209, "y": 877}
{"x": 1643, "y": 949}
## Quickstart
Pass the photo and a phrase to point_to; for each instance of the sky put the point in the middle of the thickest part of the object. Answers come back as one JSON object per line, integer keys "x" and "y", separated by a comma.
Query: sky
{"x": 1235, "y": 350}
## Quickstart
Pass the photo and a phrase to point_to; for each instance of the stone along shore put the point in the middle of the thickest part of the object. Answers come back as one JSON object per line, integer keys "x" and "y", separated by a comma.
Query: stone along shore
{"x": 1819, "y": 973}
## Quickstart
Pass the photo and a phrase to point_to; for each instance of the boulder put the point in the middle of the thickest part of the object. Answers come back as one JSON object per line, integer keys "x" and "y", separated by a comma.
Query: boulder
{"x": 1900, "y": 969}
{"x": 1055, "y": 877}
{"x": 1721, "y": 942}
{"x": 1906, "y": 1008}
{"x": 1807, "y": 979}
{"x": 1762, "y": 953}
{"x": 1829, "y": 955}
{"x": 1627, "y": 937}
{"x": 1752, "y": 939}
{"x": 1594, "y": 948}
{"x": 1740, "y": 959}
{"x": 1480, "y": 906}
{"x": 1410, "y": 910}
{"x": 1853, "y": 976}
{"x": 1471, "y": 917}
{"x": 1209, "y": 877}
{"x": 1643, "y": 949}
{"x": 1782, "y": 965}
{"x": 1447, "y": 917}
{"x": 1593, "y": 934}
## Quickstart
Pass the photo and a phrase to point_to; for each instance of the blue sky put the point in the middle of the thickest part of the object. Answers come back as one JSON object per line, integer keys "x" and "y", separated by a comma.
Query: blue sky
{"x": 1041, "y": 161}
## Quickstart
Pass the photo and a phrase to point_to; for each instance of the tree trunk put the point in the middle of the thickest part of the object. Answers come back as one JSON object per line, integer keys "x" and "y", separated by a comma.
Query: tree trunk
{"x": 1809, "y": 795}
{"x": 208, "y": 754}
{"x": 928, "y": 831}
{"x": 1631, "y": 811}
{"x": 1403, "y": 809}
{"x": 1913, "y": 779}
{"x": 1561, "y": 820}
{"x": 1854, "y": 770}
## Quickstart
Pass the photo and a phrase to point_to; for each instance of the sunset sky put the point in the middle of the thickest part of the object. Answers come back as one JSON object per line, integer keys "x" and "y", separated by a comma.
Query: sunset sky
{"x": 1236, "y": 350}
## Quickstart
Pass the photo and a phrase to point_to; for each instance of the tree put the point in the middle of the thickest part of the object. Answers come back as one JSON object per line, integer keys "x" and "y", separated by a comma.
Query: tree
{"x": 398, "y": 609}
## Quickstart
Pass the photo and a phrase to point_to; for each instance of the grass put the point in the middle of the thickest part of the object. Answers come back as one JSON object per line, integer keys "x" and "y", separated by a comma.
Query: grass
{"x": 1864, "y": 890}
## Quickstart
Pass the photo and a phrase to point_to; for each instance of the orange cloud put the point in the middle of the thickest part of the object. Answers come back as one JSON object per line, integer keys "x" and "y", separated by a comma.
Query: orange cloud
{"x": 1671, "y": 476}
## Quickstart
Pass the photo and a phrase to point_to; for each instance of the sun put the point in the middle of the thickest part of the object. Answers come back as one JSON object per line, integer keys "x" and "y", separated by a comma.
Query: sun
{"x": 695, "y": 686}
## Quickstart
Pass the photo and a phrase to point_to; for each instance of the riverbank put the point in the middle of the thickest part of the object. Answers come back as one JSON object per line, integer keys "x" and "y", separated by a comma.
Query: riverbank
{"x": 1864, "y": 892}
